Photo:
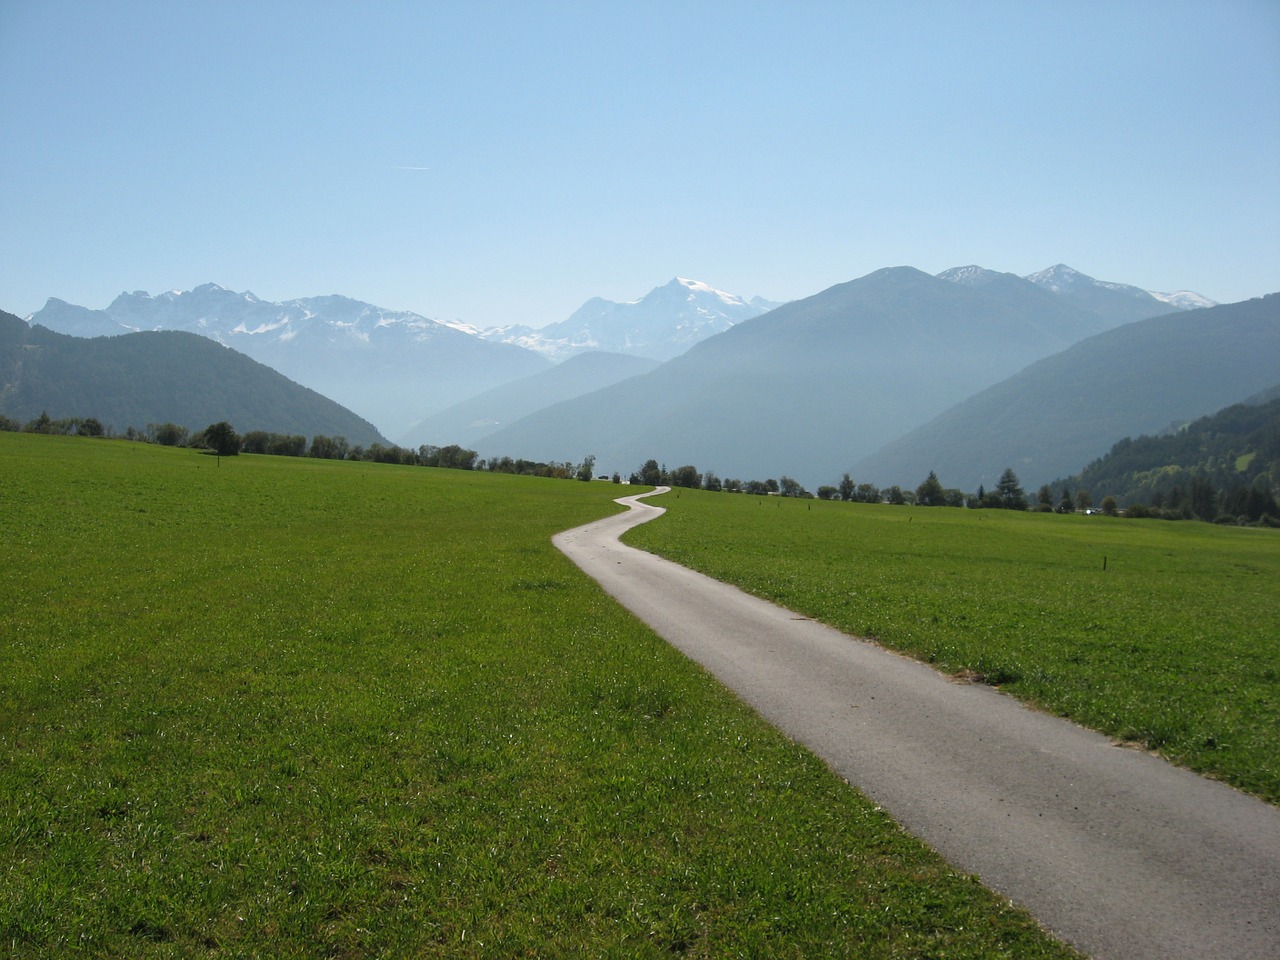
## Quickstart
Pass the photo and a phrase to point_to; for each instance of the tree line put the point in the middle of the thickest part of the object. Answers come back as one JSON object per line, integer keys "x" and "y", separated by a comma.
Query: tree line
{"x": 1239, "y": 504}
{"x": 222, "y": 439}
{"x": 1191, "y": 496}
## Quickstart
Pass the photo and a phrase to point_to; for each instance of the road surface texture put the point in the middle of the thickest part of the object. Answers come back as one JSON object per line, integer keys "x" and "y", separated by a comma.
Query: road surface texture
{"x": 1116, "y": 852}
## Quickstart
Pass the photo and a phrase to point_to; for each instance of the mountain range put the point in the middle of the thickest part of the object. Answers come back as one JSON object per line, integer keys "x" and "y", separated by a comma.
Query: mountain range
{"x": 809, "y": 388}
{"x": 158, "y": 377}
{"x": 391, "y": 367}
{"x": 662, "y": 324}
{"x": 816, "y": 385}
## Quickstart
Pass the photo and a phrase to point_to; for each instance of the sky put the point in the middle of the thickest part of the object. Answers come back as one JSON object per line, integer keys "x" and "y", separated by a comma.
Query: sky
{"x": 502, "y": 162}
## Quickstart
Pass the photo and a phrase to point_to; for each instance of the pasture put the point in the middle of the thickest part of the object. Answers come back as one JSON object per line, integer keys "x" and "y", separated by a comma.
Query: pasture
{"x": 295, "y": 708}
{"x": 1166, "y": 636}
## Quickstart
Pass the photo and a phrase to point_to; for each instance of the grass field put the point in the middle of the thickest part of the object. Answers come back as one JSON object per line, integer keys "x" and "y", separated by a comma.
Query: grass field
{"x": 1166, "y": 635}
{"x": 291, "y": 708}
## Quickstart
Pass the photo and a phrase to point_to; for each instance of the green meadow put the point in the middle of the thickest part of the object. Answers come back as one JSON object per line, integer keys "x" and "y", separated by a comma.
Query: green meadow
{"x": 277, "y": 707}
{"x": 1166, "y": 636}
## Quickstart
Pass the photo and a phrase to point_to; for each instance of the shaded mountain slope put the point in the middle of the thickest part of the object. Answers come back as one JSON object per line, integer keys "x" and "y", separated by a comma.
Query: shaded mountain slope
{"x": 158, "y": 377}
{"x": 1058, "y": 414}
{"x": 469, "y": 422}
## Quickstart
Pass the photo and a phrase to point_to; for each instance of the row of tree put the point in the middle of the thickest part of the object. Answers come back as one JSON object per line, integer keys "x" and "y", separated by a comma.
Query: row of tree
{"x": 1240, "y": 503}
{"x": 1008, "y": 494}
{"x": 222, "y": 439}
{"x": 1199, "y": 498}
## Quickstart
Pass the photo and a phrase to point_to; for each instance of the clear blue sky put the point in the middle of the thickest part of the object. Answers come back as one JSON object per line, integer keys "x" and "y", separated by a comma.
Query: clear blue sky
{"x": 503, "y": 162}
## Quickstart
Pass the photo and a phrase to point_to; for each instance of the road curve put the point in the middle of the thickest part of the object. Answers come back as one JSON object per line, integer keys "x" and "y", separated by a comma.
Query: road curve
{"x": 1116, "y": 852}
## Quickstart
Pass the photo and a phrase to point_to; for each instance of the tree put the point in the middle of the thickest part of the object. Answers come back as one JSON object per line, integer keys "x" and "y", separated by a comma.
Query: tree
{"x": 895, "y": 496}
{"x": 930, "y": 492}
{"x": 1109, "y": 507}
{"x": 288, "y": 445}
{"x": 828, "y": 492}
{"x": 1044, "y": 499}
{"x": 789, "y": 487}
{"x": 255, "y": 441}
{"x": 222, "y": 439}
{"x": 686, "y": 476}
{"x": 328, "y": 448}
{"x": 587, "y": 469}
{"x": 1065, "y": 504}
{"x": 711, "y": 482}
{"x": 651, "y": 474}
{"x": 1009, "y": 491}
{"x": 1084, "y": 501}
{"x": 846, "y": 488}
{"x": 41, "y": 424}
{"x": 1204, "y": 498}
{"x": 867, "y": 493}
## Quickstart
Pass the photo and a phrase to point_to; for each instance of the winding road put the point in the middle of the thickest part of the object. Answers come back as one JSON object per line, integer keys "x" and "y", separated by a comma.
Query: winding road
{"x": 1118, "y": 853}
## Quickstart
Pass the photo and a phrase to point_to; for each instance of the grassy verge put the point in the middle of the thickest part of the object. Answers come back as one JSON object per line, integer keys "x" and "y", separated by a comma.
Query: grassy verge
{"x": 1163, "y": 634}
{"x": 292, "y": 708}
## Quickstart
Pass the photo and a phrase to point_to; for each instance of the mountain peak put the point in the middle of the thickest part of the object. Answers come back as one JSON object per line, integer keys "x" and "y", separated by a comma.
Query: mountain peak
{"x": 696, "y": 287}
{"x": 970, "y": 276}
{"x": 663, "y": 323}
{"x": 210, "y": 288}
{"x": 1058, "y": 277}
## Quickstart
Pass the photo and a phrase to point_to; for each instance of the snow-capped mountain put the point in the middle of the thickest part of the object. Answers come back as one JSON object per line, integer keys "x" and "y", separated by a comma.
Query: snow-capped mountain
{"x": 972, "y": 276}
{"x": 229, "y": 317}
{"x": 391, "y": 367}
{"x": 660, "y": 325}
{"x": 1184, "y": 299}
{"x": 1120, "y": 302}
{"x": 1113, "y": 303}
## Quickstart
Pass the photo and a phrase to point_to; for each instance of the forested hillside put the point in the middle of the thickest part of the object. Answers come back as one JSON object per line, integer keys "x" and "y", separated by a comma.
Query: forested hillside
{"x": 1227, "y": 463}
{"x": 158, "y": 377}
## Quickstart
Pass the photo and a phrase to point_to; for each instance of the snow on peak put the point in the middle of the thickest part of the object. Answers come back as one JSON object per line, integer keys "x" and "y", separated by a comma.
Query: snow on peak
{"x": 663, "y": 323}
{"x": 1057, "y": 277}
{"x": 697, "y": 286}
{"x": 970, "y": 276}
{"x": 1184, "y": 299}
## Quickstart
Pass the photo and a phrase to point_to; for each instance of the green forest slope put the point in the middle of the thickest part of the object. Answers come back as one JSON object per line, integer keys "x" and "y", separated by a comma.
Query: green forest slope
{"x": 158, "y": 377}
{"x": 1225, "y": 463}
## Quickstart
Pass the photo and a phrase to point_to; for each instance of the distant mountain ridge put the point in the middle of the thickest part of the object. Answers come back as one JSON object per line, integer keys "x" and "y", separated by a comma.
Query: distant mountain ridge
{"x": 660, "y": 325}
{"x": 1115, "y": 303}
{"x": 158, "y": 377}
{"x": 392, "y": 367}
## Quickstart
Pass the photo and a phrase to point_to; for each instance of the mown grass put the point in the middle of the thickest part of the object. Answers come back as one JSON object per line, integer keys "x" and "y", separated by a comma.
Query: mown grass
{"x": 1166, "y": 635}
{"x": 294, "y": 708}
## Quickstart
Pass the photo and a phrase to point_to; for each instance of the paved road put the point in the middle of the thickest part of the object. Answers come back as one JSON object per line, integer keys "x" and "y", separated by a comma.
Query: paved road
{"x": 1117, "y": 852}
